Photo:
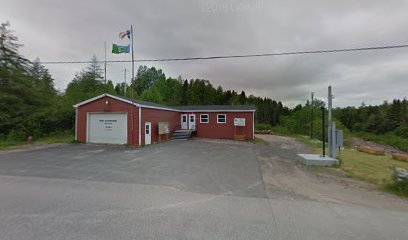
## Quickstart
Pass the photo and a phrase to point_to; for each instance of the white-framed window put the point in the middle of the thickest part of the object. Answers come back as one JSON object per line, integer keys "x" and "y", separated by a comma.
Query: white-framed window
{"x": 221, "y": 118}
{"x": 204, "y": 118}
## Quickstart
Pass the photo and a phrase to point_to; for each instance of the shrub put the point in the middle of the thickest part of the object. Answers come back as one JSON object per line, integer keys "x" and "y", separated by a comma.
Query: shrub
{"x": 402, "y": 131}
{"x": 17, "y": 135}
{"x": 263, "y": 126}
{"x": 400, "y": 180}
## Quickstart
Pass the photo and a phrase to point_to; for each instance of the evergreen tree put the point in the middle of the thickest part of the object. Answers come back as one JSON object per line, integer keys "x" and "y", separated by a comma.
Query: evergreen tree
{"x": 242, "y": 98}
{"x": 184, "y": 94}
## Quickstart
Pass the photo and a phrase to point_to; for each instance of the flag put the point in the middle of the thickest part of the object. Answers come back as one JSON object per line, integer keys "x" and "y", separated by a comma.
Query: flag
{"x": 124, "y": 34}
{"x": 117, "y": 49}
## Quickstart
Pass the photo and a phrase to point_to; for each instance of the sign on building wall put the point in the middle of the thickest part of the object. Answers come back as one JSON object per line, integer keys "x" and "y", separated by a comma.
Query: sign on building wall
{"x": 164, "y": 128}
{"x": 239, "y": 121}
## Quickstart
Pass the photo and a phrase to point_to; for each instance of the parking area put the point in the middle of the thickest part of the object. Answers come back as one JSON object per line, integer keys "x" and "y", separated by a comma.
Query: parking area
{"x": 201, "y": 166}
{"x": 197, "y": 189}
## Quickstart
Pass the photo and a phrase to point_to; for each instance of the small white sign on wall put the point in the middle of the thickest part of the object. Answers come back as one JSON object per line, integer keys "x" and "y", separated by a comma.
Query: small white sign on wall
{"x": 239, "y": 121}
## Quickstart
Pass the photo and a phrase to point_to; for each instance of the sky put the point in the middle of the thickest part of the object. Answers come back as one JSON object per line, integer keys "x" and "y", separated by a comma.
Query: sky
{"x": 60, "y": 30}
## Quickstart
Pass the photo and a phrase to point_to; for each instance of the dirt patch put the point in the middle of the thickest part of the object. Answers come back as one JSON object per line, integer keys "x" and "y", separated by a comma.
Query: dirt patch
{"x": 360, "y": 143}
{"x": 286, "y": 178}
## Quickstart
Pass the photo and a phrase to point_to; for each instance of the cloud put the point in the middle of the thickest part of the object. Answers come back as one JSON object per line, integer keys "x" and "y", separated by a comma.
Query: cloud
{"x": 75, "y": 30}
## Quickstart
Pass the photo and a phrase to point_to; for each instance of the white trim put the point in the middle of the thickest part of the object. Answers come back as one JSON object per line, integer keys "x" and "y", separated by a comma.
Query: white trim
{"x": 76, "y": 124}
{"x": 153, "y": 107}
{"x": 98, "y": 97}
{"x": 253, "y": 125}
{"x": 140, "y": 126}
{"x": 209, "y": 111}
{"x": 225, "y": 118}
{"x": 159, "y": 108}
{"x": 87, "y": 127}
{"x": 208, "y": 118}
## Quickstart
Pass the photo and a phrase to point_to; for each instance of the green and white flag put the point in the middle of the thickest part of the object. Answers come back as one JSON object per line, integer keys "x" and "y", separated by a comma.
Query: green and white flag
{"x": 118, "y": 49}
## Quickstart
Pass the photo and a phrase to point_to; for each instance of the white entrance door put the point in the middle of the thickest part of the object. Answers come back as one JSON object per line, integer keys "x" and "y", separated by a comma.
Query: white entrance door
{"x": 184, "y": 121}
{"x": 192, "y": 121}
{"x": 148, "y": 133}
{"x": 107, "y": 128}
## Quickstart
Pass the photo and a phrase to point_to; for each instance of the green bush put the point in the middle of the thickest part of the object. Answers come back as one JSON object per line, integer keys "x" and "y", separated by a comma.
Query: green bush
{"x": 17, "y": 135}
{"x": 402, "y": 131}
{"x": 281, "y": 130}
{"x": 263, "y": 126}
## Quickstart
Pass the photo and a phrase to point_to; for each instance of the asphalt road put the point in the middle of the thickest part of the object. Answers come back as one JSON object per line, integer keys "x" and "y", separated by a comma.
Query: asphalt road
{"x": 195, "y": 189}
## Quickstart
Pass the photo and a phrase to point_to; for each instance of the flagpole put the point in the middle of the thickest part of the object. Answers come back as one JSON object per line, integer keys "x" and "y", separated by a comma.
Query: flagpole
{"x": 133, "y": 79}
{"x": 105, "y": 62}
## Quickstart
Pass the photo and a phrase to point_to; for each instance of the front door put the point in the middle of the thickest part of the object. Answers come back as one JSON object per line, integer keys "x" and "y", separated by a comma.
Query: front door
{"x": 192, "y": 121}
{"x": 184, "y": 121}
{"x": 148, "y": 133}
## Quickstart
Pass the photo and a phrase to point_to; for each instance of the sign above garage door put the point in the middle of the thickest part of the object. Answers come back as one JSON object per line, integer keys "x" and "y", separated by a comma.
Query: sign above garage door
{"x": 108, "y": 128}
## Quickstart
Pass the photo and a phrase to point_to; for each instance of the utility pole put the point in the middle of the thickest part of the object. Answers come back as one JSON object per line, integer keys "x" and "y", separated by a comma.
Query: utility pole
{"x": 323, "y": 133}
{"x": 311, "y": 116}
{"x": 329, "y": 122}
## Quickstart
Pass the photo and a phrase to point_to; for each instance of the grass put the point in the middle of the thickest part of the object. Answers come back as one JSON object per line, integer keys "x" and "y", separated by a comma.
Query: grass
{"x": 366, "y": 167}
{"x": 64, "y": 137}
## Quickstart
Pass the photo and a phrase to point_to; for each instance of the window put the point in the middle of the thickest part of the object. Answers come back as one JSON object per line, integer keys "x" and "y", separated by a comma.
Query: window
{"x": 203, "y": 118}
{"x": 221, "y": 118}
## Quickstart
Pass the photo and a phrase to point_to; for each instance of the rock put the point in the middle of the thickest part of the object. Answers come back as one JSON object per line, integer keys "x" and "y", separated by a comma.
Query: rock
{"x": 400, "y": 157}
{"x": 263, "y": 132}
{"x": 399, "y": 174}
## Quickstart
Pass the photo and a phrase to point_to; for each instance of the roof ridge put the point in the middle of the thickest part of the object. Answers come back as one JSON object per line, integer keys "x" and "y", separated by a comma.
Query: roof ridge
{"x": 242, "y": 107}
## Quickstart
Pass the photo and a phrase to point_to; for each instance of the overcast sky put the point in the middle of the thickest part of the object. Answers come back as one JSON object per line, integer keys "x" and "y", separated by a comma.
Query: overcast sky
{"x": 61, "y": 30}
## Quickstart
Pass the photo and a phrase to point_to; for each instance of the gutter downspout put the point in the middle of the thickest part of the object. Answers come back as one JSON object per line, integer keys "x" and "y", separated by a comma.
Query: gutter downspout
{"x": 140, "y": 126}
{"x": 76, "y": 123}
{"x": 253, "y": 125}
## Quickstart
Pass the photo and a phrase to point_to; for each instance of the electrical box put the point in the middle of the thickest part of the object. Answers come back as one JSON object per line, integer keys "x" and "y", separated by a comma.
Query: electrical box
{"x": 339, "y": 138}
{"x": 164, "y": 128}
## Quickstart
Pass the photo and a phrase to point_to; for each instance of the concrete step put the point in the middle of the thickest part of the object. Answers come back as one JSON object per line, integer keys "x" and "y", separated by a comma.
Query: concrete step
{"x": 181, "y": 134}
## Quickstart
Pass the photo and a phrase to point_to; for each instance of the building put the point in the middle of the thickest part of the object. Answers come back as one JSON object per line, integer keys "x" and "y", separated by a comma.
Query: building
{"x": 117, "y": 120}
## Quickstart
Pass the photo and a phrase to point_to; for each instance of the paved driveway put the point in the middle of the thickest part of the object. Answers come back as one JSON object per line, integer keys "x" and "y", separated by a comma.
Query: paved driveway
{"x": 212, "y": 166}
{"x": 197, "y": 189}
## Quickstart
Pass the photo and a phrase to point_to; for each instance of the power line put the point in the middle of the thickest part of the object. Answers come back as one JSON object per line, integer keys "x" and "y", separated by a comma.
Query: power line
{"x": 238, "y": 56}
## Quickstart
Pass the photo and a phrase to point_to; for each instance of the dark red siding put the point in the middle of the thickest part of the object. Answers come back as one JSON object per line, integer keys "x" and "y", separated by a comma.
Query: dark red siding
{"x": 112, "y": 106}
{"x": 206, "y": 130}
{"x": 227, "y": 130}
{"x": 155, "y": 116}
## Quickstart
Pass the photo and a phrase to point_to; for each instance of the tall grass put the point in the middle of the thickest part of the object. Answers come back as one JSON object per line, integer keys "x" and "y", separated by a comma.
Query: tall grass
{"x": 57, "y": 137}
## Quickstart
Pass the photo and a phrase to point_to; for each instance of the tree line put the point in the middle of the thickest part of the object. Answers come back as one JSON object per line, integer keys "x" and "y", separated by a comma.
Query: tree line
{"x": 382, "y": 119}
{"x": 30, "y": 105}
